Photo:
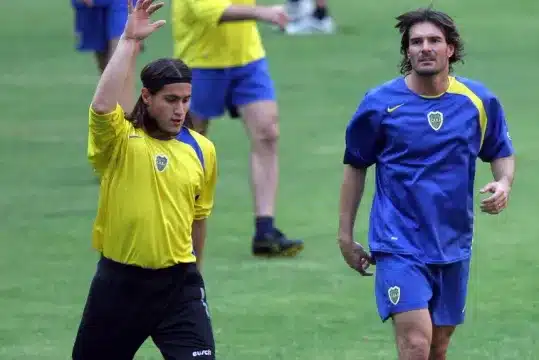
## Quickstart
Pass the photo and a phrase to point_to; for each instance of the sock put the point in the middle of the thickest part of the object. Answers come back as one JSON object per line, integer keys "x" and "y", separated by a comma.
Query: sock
{"x": 320, "y": 12}
{"x": 264, "y": 225}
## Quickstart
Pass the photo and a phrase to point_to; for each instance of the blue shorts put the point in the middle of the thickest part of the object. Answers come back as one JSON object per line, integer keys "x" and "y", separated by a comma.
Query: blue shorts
{"x": 217, "y": 90}
{"x": 96, "y": 26}
{"x": 403, "y": 283}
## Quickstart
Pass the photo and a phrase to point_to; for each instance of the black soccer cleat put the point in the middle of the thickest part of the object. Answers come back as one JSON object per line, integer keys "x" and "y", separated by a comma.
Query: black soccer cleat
{"x": 275, "y": 244}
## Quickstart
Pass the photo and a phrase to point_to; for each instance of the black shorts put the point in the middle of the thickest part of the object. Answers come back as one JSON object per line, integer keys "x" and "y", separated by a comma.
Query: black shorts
{"x": 128, "y": 304}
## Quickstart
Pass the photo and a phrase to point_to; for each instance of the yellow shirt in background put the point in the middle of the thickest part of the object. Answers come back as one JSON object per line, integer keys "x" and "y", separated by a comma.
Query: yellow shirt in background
{"x": 202, "y": 42}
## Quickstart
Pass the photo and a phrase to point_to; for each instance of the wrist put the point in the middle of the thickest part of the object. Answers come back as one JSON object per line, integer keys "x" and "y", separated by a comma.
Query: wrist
{"x": 345, "y": 239}
{"x": 128, "y": 38}
{"x": 505, "y": 180}
{"x": 259, "y": 13}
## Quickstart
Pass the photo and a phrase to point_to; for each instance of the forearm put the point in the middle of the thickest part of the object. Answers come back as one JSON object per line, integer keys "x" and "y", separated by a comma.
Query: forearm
{"x": 351, "y": 193}
{"x": 111, "y": 85}
{"x": 241, "y": 12}
{"x": 127, "y": 100}
{"x": 198, "y": 236}
{"x": 503, "y": 170}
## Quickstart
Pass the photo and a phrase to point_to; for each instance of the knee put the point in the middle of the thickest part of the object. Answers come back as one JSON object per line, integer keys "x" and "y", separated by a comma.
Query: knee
{"x": 267, "y": 132}
{"x": 414, "y": 345}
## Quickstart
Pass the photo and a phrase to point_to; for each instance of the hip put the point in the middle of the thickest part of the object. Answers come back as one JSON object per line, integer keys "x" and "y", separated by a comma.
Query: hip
{"x": 152, "y": 253}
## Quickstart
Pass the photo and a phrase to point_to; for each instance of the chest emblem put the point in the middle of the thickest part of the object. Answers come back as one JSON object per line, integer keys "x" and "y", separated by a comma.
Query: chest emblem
{"x": 436, "y": 119}
{"x": 161, "y": 162}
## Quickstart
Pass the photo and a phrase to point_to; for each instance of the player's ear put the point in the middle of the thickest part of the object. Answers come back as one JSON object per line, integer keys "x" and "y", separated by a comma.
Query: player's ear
{"x": 145, "y": 95}
{"x": 450, "y": 50}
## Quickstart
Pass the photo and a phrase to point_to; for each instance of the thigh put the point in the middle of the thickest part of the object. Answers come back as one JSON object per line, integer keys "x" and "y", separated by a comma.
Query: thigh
{"x": 90, "y": 29}
{"x": 413, "y": 334}
{"x": 401, "y": 285}
{"x": 112, "y": 324}
{"x": 251, "y": 83}
{"x": 186, "y": 330}
{"x": 210, "y": 89}
{"x": 448, "y": 305}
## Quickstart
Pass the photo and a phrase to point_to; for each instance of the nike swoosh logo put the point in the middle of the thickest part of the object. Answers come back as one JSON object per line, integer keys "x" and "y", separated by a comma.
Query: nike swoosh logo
{"x": 391, "y": 109}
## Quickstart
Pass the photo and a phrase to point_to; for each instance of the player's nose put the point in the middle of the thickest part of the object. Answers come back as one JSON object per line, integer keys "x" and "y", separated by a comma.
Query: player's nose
{"x": 179, "y": 110}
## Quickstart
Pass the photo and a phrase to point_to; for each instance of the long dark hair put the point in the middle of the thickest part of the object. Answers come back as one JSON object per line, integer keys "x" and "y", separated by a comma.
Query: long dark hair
{"x": 154, "y": 77}
{"x": 441, "y": 20}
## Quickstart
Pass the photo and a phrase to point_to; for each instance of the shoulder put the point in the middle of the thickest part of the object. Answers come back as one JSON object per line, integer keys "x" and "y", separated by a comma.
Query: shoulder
{"x": 388, "y": 88}
{"x": 379, "y": 98}
{"x": 207, "y": 155}
{"x": 205, "y": 144}
{"x": 376, "y": 101}
{"x": 202, "y": 146}
{"x": 476, "y": 87}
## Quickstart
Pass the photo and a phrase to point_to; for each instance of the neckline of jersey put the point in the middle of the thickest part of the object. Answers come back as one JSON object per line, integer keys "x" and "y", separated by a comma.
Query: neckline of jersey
{"x": 427, "y": 97}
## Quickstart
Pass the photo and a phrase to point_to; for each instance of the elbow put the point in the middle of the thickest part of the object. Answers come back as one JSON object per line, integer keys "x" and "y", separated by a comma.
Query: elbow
{"x": 102, "y": 107}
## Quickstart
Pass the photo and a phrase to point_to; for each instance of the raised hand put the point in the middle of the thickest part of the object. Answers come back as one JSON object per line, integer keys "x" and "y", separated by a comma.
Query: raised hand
{"x": 138, "y": 25}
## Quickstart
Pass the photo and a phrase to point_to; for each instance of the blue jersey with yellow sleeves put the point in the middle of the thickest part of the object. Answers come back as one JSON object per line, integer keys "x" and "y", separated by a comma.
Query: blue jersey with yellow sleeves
{"x": 201, "y": 41}
{"x": 151, "y": 191}
{"x": 425, "y": 150}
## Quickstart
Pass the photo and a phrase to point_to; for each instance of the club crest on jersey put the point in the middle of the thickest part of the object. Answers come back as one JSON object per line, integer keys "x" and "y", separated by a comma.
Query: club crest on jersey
{"x": 161, "y": 162}
{"x": 394, "y": 294}
{"x": 436, "y": 119}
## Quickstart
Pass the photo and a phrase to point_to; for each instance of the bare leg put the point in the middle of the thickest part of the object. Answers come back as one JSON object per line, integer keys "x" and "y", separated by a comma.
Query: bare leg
{"x": 261, "y": 122}
{"x": 413, "y": 332}
{"x": 101, "y": 59}
{"x": 322, "y": 3}
{"x": 200, "y": 125}
{"x": 309, "y": 17}
{"x": 441, "y": 336}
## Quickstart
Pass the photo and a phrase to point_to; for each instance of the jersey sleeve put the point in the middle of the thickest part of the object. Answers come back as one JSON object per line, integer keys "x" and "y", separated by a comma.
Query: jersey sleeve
{"x": 208, "y": 11}
{"x": 363, "y": 136}
{"x": 496, "y": 142}
{"x": 105, "y": 137}
{"x": 205, "y": 200}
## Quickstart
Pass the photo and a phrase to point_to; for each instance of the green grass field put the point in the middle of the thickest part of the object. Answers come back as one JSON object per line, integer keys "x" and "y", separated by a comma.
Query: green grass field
{"x": 312, "y": 307}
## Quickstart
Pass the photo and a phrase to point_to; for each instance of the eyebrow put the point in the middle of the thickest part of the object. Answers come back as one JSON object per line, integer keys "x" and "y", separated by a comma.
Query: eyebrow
{"x": 425, "y": 36}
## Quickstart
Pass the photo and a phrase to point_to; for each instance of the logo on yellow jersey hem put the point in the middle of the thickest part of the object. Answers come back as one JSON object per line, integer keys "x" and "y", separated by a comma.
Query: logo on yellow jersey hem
{"x": 161, "y": 162}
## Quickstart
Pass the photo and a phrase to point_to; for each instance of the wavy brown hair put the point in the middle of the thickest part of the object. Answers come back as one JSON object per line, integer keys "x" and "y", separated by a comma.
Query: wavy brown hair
{"x": 441, "y": 20}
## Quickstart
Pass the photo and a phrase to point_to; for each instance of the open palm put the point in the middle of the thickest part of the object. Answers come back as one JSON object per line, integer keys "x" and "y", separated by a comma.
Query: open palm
{"x": 138, "y": 24}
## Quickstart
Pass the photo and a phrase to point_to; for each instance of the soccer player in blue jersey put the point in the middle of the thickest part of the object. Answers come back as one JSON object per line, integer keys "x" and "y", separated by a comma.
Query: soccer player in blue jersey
{"x": 424, "y": 132}
{"x": 98, "y": 26}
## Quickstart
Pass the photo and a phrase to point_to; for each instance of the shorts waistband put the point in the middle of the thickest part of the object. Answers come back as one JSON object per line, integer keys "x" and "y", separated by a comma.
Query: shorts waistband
{"x": 128, "y": 270}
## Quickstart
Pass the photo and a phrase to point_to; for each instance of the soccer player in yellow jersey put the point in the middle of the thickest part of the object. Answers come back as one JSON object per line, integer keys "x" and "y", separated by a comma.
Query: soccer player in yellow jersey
{"x": 157, "y": 189}
{"x": 219, "y": 40}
